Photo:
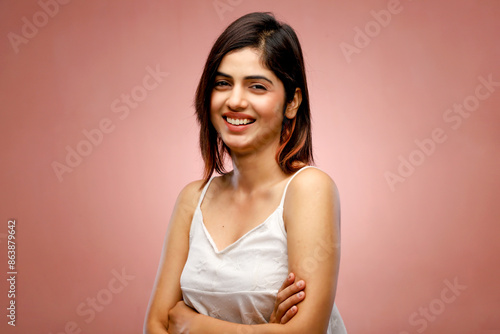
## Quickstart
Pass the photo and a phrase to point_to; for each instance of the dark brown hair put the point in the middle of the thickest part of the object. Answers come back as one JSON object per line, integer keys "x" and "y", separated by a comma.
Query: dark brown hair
{"x": 282, "y": 54}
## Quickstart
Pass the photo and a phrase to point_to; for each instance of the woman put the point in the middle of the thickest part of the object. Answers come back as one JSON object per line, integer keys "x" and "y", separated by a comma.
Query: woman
{"x": 238, "y": 252}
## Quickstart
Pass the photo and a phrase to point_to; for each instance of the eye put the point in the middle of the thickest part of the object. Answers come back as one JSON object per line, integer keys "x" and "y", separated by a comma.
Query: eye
{"x": 258, "y": 87}
{"x": 221, "y": 83}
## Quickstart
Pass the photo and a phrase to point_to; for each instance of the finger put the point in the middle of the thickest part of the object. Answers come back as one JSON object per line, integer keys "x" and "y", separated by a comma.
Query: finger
{"x": 289, "y": 315}
{"x": 290, "y": 307}
{"x": 289, "y": 280}
{"x": 282, "y": 294}
{"x": 281, "y": 307}
{"x": 289, "y": 303}
{"x": 290, "y": 291}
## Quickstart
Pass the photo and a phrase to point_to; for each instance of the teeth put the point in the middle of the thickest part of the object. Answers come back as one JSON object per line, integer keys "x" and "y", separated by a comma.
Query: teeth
{"x": 238, "y": 121}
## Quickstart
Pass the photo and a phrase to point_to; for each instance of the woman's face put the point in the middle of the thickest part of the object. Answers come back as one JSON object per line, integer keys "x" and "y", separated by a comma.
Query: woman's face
{"x": 247, "y": 103}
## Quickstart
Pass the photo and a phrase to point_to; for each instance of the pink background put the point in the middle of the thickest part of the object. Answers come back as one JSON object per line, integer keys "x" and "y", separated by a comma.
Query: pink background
{"x": 403, "y": 242}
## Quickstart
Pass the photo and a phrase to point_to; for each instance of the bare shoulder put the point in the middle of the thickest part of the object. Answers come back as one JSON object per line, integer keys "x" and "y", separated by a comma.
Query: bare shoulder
{"x": 191, "y": 192}
{"x": 311, "y": 182}
{"x": 311, "y": 193}
{"x": 312, "y": 221}
{"x": 187, "y": 200}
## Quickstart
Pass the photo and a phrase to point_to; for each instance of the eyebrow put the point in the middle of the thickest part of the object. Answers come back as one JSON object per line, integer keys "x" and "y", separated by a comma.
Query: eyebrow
{"x": 249, "y": 77}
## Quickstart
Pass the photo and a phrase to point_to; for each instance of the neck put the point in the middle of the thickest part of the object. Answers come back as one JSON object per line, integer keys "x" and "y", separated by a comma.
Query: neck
{"x": 255, "y": 170}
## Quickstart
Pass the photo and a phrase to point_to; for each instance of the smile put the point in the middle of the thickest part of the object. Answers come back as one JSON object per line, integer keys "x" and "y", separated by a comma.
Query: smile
{"x": 239, "y": 121}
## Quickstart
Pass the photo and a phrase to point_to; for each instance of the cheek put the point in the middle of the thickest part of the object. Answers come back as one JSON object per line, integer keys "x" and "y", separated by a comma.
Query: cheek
{"x": 271, "y": 109}
{"x": 216, "y": 100}
{"x": 215, "y": 105}
{"x": 214, "y": 120}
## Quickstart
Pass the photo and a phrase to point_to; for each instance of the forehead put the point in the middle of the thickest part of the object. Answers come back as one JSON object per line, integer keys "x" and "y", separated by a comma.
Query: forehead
{"x": 246, "y": 61}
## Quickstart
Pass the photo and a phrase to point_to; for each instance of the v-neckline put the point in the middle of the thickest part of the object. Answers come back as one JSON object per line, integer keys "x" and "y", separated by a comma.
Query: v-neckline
{"x": 231, "y": 245}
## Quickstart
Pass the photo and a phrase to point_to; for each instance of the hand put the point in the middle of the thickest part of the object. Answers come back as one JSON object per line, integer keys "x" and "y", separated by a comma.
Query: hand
{"x": 289, "y": 295}
{"x": 180, "y": 318}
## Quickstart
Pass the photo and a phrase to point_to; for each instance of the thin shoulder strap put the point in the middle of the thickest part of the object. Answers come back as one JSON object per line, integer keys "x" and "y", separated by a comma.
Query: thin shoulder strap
{"x": 204, "y": 191}
{"x": 286, "y": 187}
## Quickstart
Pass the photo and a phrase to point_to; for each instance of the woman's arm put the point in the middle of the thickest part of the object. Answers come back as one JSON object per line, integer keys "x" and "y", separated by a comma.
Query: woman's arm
{"x": 181, "y": 316}
{"x": 312, "y": 218}
{"x": 290, "y": 294}
{"x": 167, "y": 291}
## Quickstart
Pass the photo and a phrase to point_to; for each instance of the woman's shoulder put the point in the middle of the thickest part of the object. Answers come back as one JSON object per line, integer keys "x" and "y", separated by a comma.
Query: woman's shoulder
{"x": 189, "y": 195}
{"x": 193, "y": 188}
{"x": 310, "y": 182}
{"x": 311, "y": 195}
{"x": 192, "y": 191}
{"x": 311, "y": 176}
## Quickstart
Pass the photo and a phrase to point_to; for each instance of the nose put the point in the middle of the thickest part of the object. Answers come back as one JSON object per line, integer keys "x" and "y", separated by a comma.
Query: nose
{"x": 237, "y": 100}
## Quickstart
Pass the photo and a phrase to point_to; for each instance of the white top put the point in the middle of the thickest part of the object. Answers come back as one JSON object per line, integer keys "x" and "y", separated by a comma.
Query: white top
{"x": 240, "y": 283}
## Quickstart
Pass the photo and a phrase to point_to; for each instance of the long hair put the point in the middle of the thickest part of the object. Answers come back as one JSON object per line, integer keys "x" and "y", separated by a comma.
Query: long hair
{"x": 282, "y": 54}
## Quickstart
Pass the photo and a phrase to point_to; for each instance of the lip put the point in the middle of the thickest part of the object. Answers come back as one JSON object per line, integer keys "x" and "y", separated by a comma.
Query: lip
{"x": 236, "y": 128}
{"x": 237, "y": 115}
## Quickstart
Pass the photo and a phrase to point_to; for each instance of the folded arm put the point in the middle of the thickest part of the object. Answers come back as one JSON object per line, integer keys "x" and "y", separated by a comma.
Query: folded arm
{"x": 312, "y": 218}
{"x": 167, "y": 291}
